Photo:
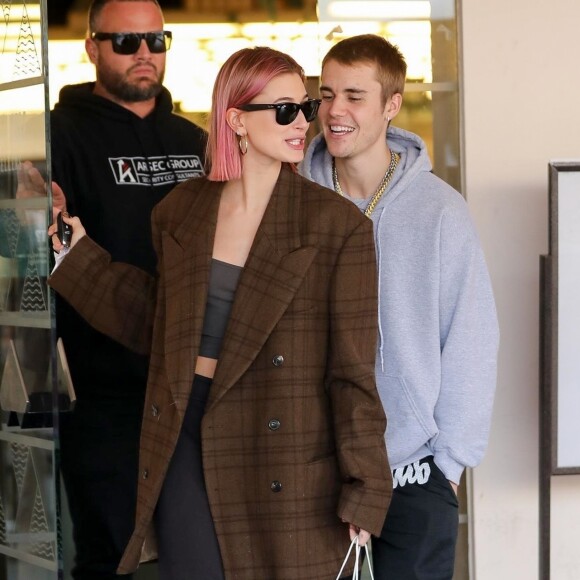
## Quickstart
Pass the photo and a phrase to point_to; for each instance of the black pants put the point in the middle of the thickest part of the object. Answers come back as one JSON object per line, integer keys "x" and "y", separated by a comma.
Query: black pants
{"x": 99, "y": 462}
{"x": 420, "y": 532}
{"x": 187, "y": 542}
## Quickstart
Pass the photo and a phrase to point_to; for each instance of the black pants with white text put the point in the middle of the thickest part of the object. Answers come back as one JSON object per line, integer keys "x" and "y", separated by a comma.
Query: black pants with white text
{"x": 420, "y": 531}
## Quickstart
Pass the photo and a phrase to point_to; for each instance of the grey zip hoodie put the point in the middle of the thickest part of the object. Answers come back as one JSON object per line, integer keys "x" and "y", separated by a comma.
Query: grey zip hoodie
{"x": 437, "y": 351}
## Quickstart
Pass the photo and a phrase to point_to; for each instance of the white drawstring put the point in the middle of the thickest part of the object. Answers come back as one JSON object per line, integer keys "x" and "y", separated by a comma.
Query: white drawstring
{"x": 356, "y": 576}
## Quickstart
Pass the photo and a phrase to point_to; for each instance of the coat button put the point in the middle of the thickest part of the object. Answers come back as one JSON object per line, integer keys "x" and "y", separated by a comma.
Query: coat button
{"x": 276, "y": 486}
{"x": 273, "y": 424}
{"x": 145, "y": 474}
{"x": 154, "y": 410}
{"x": 278, "y": 360}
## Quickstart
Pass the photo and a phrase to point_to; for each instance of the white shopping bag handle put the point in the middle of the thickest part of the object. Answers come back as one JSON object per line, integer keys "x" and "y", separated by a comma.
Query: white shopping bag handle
{"x": 356, "y": 560}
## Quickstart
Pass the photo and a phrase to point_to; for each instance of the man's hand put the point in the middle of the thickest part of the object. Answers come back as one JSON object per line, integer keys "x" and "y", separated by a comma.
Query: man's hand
{"x": 30, "y": 181}
{"x": 454, "y": 486}
{"x": 31, "y": 184}
{"x": 58, "y": 200}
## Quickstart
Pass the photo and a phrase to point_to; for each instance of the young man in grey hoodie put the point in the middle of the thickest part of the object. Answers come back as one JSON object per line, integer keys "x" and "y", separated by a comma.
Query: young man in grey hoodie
{"x": 437, "y": 353}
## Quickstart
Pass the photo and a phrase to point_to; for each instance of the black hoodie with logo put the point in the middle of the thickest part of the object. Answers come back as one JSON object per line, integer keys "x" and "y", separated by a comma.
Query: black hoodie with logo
{"x": 114, "y": 167}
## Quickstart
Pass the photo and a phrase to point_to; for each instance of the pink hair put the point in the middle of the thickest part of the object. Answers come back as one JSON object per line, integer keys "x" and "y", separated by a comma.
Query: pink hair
{"x": 243, "y": 76}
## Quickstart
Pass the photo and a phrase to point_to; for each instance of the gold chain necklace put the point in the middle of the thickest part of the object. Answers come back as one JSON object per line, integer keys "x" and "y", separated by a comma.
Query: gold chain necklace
{"x": 395, "y": 157}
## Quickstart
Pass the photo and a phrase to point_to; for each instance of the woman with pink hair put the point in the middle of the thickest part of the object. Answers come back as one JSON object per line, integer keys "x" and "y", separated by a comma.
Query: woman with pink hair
{"x": 262, "y": 450}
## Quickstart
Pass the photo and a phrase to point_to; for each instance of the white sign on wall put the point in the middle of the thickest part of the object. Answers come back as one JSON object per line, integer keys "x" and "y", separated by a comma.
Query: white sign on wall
{"x": 565, "y": 315}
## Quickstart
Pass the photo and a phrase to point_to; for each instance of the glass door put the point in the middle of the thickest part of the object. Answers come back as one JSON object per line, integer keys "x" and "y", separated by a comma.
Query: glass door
{"x": 29, "y": 365}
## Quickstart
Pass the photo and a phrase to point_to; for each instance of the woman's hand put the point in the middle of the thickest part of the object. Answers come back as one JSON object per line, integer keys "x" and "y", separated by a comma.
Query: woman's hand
{"x": 78, "y": 231}
{"x": 363, "y": 535}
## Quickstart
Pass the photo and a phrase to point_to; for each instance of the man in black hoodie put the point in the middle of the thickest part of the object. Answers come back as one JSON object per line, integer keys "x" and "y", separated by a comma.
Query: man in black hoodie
{"x": 117, "y": 150}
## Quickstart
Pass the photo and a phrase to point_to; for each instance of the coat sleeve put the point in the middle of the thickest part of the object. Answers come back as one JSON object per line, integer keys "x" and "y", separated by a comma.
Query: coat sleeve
{"x": 359, "y": 419}
{"x": 116, "y": 299}
{"x": 469, "y": 336}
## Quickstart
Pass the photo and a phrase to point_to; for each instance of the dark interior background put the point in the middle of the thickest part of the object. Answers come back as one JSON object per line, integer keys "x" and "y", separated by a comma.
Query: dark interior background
{"x": 57, "y": 10}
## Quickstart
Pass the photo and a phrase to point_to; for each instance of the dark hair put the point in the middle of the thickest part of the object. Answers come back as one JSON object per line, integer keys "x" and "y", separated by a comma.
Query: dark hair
{"x": 373, "y": 49}
{"x": 97, "y": 6}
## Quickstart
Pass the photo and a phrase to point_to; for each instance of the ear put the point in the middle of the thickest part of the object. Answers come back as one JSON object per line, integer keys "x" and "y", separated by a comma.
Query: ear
{"x": 235, "y": 121}
{"x": 393, "y": 106}
{"x": 92, "y": 49}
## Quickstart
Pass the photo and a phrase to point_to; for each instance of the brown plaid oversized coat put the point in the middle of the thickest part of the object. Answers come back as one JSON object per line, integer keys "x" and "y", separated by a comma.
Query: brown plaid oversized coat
{"x": 299, "y": 349}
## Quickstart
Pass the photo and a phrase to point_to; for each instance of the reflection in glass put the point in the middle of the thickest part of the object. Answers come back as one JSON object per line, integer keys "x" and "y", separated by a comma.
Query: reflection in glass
{"x": 28, "y": 493}
{"x": 20, "y": 54}
{"x": 23, "y": 210}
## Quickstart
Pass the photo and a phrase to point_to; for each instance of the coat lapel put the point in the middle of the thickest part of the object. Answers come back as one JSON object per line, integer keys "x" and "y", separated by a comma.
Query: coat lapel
{"x": 186, "y": 264}
{"x": 273, "y": 273}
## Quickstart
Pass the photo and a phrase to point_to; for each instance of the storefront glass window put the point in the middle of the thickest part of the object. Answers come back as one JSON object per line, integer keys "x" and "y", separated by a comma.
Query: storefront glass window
{"x": 28, "y": 494}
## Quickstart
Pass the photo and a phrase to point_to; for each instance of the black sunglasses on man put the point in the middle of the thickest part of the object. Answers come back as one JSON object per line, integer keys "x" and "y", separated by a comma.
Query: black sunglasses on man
{"x": 129, "y": 42}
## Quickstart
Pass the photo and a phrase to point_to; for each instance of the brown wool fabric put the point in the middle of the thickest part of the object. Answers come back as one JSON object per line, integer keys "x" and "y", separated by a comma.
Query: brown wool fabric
{"x": 299, "y": 349}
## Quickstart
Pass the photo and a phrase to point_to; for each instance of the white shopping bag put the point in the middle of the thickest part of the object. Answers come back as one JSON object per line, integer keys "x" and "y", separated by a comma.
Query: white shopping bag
{"x": 357, "y": 550}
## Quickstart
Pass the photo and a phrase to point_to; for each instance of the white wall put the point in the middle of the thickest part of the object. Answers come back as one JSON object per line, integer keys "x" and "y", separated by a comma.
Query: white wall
{"x": 521, "y": 109}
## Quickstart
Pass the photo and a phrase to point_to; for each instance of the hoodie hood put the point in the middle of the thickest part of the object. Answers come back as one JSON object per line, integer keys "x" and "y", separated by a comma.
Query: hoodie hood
{"x": 317, "y": 164}
{"x": 82, "y": 98}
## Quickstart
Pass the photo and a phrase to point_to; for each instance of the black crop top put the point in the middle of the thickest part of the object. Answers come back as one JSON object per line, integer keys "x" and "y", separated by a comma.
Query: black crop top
{"x": 223, "y": 281}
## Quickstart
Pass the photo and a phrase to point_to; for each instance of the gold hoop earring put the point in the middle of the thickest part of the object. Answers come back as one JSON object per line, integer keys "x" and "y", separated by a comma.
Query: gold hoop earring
{"x": 243, "y": 144}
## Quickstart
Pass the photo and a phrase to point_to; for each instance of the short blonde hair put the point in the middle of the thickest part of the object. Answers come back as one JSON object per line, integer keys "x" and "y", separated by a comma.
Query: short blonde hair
{"x": 373, "y": 49}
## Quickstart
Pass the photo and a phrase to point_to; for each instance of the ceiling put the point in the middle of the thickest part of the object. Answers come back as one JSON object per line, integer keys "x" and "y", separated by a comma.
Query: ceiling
{"x": 57, "y": 10}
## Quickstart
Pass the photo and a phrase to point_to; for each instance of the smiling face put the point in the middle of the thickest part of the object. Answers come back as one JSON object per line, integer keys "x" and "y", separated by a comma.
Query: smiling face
{"x": 269, "y": 141}
{"x": 352, "y": 114}
{"x": 134, "y": 77}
